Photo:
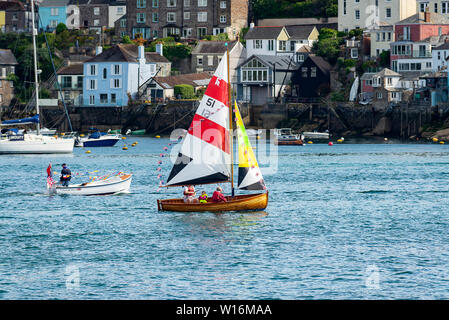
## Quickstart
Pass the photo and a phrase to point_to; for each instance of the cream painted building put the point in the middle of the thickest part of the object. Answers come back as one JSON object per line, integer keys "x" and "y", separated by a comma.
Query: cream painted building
{"x": 437, "y": 6}
{"x": 366, "y": 14}
{"x": 381, "y": 37}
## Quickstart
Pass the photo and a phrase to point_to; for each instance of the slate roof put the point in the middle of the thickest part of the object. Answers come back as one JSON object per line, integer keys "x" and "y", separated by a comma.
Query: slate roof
{"x": 300, "y": 32}
{"x": 194, "y": 79}
{"x": 388, "y": 73}
{"x": 217, "y": 47}
{"x": 318, "y": 23}
{"x": 435, "y": 18}
{"x": 263, "y": 33}
{"x": 278, "y": 62}
{"x": 7, "y": 57}
{"x": 73, "y": 69}
{"x": 444, "y": 46}
{"x": 11, "y": 5}
{"x": 126, "y": 53}
{"x": 54, "y": 3}
{"x": 324, "y": 66}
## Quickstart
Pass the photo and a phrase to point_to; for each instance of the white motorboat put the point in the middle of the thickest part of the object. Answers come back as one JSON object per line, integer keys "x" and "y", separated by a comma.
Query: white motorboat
{"x": 116, "y": 184}
{"x": 316, "y": 135}
{"x": 285, "y": 136}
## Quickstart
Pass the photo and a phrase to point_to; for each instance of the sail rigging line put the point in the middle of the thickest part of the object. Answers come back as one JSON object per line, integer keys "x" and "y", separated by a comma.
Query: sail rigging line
{"x": 230, "y": 120}
{"x": 56, "y": 77}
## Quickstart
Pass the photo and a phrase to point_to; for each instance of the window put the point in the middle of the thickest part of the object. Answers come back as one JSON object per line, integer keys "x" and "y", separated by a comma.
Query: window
{"x": 96, "y": 11}
{"x": 313, "y": 72}
{"x": 222, "y": 19}
{"x": 300, "y": 57}
{"x": 202, "y": 3}
{"x": 141, "y": 4}
{"x": 379, "y": 95}
{"x": 201, "y": 32}
{"x": 93, "y": 70}
{"x": 388, "y": 13}
{"x": 119, "y": 10}
{"x": 292, "y": 45}
{"x": 270, "y": 45}
{"x": 96, "y": 22}
{"x": 202, "y": 16}
{"x": 155, "y": 17}
{"x": 140, "y": 17}
{"x": 257, "y": 44}
{"x": 357, "y": 14}
{"x": 423, "y": 6}
{"x": 186, "y": 3}
{"x": 210, "y": 60}
{"x": 187, "y": 15}
{"x": 344, "y": 7}
{"x": 436, "y": 7}
{"x": 304, "y": 72}
{"x": 187, "y": 32}
{"x": 354, "y": 53}
{"x": 91, "y": 99}
{"x": 199, "y": 60}
{"x": 92, "y": 84}
{"x": 171, "y": 17}
{"x": 155, "y": 3}
{"x": 103, "y": 98}
{"x": 79, "y": 81}
{"x": 389, "y": 81}
{"x": 282, "y": 45}
{"x": 171, "y": 3}
{"x": 123, "y": 23}
{"x": 113, "y": 98}
{"x": 54, "y": 11}
{"x": 115, "y": 83}
{"x": 53, "y": 23}
{"x": 117, "y": 69}
{"x": 222, "y": 4}
{"x": 445, "y": 7}
{"x": 105, "y": 73}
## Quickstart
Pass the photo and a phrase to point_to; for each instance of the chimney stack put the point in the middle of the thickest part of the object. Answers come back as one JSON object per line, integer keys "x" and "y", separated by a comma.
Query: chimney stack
{"x": 251, "y": 25}
{"x": 140, "y": 52}
{"x": 98, "y": 50}
{"x": 427, "y": 15}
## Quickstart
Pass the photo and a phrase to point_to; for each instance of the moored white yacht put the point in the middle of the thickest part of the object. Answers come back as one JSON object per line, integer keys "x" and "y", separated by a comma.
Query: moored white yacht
{"x": 30, "y": 142}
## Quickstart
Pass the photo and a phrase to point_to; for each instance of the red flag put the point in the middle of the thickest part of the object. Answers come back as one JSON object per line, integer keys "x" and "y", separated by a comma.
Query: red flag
{"x": 49, "y": 170}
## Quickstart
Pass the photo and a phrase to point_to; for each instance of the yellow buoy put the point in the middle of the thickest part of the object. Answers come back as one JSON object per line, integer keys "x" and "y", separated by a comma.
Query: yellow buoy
{"x": 258, "y": 137}
{"x": 125, "y": 148}
{"x": 88, "y": 151}
{"x": 310, "y": 142}
{"x": 123, "y": 138}
{"x": 434, "y": 139}
{"x": 441, "y": 142}
{"x": 82, "y": 135}
{"x": 158, "y": 137}
{"x": 62, "y": 134}
{"x": 339, "y": 140}
{"x": 55, "y": 136}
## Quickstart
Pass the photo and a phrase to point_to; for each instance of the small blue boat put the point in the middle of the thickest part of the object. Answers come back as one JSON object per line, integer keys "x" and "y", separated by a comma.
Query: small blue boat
{"x": 97, "y": 139}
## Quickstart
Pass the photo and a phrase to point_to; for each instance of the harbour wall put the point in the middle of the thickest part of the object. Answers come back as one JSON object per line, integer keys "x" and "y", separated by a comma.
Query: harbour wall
{"x": 345, "y": 119}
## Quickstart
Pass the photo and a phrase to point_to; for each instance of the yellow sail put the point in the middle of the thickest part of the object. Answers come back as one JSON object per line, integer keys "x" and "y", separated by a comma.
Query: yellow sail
{"x": 250, "y": 177}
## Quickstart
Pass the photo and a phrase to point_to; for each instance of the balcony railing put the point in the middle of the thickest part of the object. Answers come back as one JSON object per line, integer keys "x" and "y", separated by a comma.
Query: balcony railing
{"x": 103, "y": 103}
{"x": 414, "y": 54}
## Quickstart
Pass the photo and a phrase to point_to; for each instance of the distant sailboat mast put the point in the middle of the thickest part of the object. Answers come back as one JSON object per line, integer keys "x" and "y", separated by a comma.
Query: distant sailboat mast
{"x": 36, "y": 80}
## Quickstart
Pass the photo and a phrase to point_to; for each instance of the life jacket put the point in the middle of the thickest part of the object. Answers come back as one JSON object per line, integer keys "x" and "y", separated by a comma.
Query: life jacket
{"x": 203, "y": 198}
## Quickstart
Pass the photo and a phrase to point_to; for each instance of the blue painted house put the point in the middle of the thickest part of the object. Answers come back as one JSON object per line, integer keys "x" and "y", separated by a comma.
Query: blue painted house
{"x": 112, "y": 76}
{"x": 52, "y": 12}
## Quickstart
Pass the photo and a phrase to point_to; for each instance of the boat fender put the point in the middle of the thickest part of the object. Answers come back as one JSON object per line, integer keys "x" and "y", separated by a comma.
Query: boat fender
{"x": 330, "y": 144}
{"x": 88, "y": 151}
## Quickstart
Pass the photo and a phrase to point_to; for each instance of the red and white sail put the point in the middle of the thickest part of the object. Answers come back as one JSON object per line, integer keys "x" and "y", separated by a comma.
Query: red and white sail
{"x": 205, "y": 154}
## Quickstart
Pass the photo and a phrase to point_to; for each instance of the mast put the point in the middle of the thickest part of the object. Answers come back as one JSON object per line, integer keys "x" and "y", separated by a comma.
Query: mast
{"x": 36, "y": 81}
{"x": 230, "y": 120}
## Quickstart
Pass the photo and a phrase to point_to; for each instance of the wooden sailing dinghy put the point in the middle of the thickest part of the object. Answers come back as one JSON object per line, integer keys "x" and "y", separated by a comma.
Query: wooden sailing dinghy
{"x": 206, "y": 153}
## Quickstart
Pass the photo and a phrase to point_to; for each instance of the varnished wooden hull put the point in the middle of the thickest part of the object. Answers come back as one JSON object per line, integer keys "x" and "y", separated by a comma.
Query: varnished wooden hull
{"x": 238, "y": 203}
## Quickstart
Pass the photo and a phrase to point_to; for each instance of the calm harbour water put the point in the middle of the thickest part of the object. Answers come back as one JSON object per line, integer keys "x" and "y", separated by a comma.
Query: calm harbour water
{"x": 352, "y": 221}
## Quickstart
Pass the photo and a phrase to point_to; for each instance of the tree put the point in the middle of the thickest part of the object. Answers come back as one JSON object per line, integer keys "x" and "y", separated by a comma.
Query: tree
{"x": 60, "y": 28}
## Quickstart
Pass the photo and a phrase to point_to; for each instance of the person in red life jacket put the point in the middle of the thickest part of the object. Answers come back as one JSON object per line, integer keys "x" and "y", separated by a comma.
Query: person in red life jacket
{"x": 218, "y": 196}
{"x": 66, "y": 175}
{"x": 49, "y": 170}
{"x": 189, "y": 195}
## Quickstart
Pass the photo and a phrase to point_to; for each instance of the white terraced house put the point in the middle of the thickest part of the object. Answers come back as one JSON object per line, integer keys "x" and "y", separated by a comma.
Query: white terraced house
{"x": 364, "y": 14}
{"x": 435, "y": 6}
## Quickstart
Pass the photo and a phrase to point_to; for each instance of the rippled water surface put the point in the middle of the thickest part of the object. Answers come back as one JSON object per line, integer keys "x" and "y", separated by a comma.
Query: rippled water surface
{"x": 352, "y": 221}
